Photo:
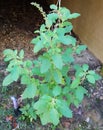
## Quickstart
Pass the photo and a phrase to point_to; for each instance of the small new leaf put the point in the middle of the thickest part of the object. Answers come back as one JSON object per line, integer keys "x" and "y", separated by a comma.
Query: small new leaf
{"x": 53, "y": 7}
{"x": 21, "y": 54}
{"x": 85, "y": 67}
{"x": 90, "y": 79}
{"x": 80, "y": 48}
{"x": 28, "y": 63}
{"x": 74, "y": 15}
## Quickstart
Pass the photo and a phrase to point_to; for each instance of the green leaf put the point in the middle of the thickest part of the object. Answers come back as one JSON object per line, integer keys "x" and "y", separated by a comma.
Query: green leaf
{"x": 28, "y": 63}
{"x": 14, "y": 63}
{"x": 48, "y": 76}
{"x": 68, "y": 59}
{"x": 8, "y": 52}
{"x": 25, "y": 79}
{"x": 15, "y": 52}
{"x": 68, "y": 28}
{"x": 29, "y": 92}
{"x": 45, "y": 65}
{"x": 66, "y": 112}
{"x": 74, "y": 15}
{"x": 85, "y": 67}
{"x": 67, "y": 56}
{"x": 35, "y": 40}
{"x": 7, "y": 80}
{"x": 66, "y": 23}
{"x": 42, "y": 28}
{"x": 52, "y": 18}
{"x": 91, "y": 72}
{"x": 32, "y": 113}
{"x": 66, "y": 90}
{"x": 64, "y": 13}
{"x": 75, "y": 83}
{"x": 65, "y": 70}
{"x": 60, "y": 31}
{"x": 76, "y": 102}
{"x": 79, "y": 70}
{"x": 40, "y": 106}
{"x": 36, "y": 71}
{"x": 15, "y": 73}
{"x": 80, "y": 91}
{"x": 38, "y": 46}
{"x": 21, "y": 54}
{"x": 13, "y": 76}
{"x": 97, "y": 76}
{"x": 68, "y": 80}
{"x": 45, "y": 118}
{"x": 57, "y": 60}
{"x": 54, "y": 116}
{"x": 57, "y": 90}
{"x": 57, "y": 76}
{"x": 44, "y": 89}
{"x": 90, "y": 79}
{"x": 80, "y": 48}
{"x": 63, "y": 108}
{"x": 8, "y": 58}
{"x": 53, "y": 7}
{"x": 67, "y": 40}
{"x": 81, "y": 74}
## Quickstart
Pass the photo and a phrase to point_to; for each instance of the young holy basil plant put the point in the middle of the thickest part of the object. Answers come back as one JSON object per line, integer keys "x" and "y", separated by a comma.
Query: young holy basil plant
{"x": 49, "y": 85}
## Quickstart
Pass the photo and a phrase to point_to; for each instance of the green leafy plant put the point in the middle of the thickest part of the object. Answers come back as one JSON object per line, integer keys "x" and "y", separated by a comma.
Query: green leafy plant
{"x": 49, "y": 86}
